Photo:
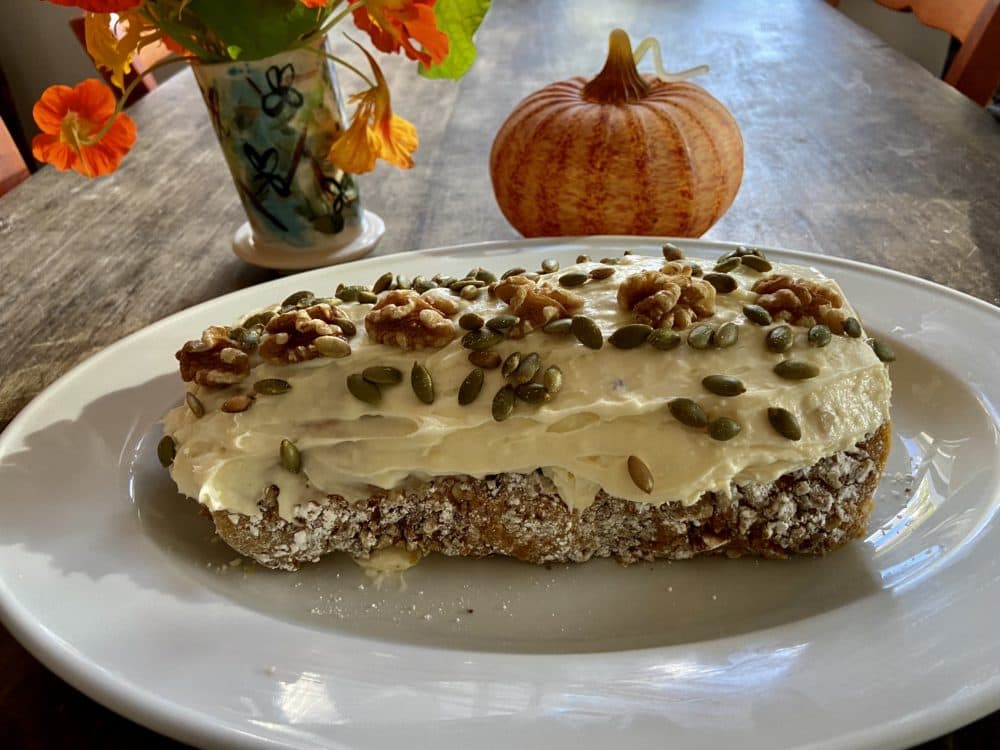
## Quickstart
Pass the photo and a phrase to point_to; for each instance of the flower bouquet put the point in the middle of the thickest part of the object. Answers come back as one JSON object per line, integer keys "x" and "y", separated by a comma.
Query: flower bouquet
{"x": 270, "y": 86}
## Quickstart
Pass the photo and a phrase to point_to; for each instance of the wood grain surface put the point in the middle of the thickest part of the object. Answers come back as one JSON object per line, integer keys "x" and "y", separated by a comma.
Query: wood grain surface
{"x": 851, "y": 150}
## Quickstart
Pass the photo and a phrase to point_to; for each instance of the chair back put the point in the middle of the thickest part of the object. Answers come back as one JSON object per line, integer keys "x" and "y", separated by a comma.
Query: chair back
{"x": 13, "y": 170}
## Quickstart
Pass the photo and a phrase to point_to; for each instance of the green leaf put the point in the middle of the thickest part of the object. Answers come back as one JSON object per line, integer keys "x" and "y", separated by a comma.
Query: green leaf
{"x": 459, "y": 19}
{"x": 258, "y": 28}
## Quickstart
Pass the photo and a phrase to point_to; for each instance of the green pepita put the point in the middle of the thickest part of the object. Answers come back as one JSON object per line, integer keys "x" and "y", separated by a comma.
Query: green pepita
{"x": 512, "y": 272}
{"x": 236, "y": 404}
{"x": 422, "y": 284}
{"x": 550, "y": 265}
{"x": 471, "y": 386}
{"x": 609, "y": 261}
{"x": 819, "y": 336}
{"x": 664, "y": 339}
{"x": 723, "y": 428}
{"x": 422, "y": 384}
{"x": 362, "y": 389}
{"x": 470, "y": 292}
{"x": 194, "y": 404}
{"x": 583, "y": 259}
{"x": 487, "y": 277}
{"x": 640, "y": 474}
{"x": 166, "y": 451}
{"x": 796, "y": 369}
{"x": 601, "y": 272}
{"x": 471, "y": 321}
{"x": 532, "y": 393}
{"x": 403, "y": 282}
{"x": 445, "y": 282}
{"x": 723, "y": 282}
{"x": 559, "y": 326}
{"x": 672, "y": 252}
{"x": 882, "y": 350}
{"x": 727, "y": 335}
{"x": 382, "y": 375}
{"x": 757, "y": 314}
{"x": 487, "y": 359}
{"x": 503, "y": 403}
{"x": 258, "y": 319}
{"x": 688, "y": 412}
{"x": 784, "y": 423}
{"x": 481, "y": 338}
{"x": 332, "y": 346}
{"x": 630, "y": 336}
{"x": 272, "y": 386}
{"x": 525, "y": 370}
{"x": 460, "y": 284}
{"x": 553, "y": 379}
{"x": 290, "y": 457}
{"x": 573, "y": 279}
{"x": 756, "y": 262}
{"x": 779, "y": 339}
{"x": 852, "y": 327}
{"x": 247, "y": 338}
{"x": 383, "y": 282}
{"x": 346, "y": 326}
{"x": 298, "y": 298}
{"x": 587, "y": 332}
{"x": 367, "y": 298}
{"x": 701, "y": 336}
{"x": 723, "y": 385}
{"x": 696, "y": 270}
{"x": 727, "y": 265}
{"x": 502, "y": 322}
{"x": 510, "y": 364}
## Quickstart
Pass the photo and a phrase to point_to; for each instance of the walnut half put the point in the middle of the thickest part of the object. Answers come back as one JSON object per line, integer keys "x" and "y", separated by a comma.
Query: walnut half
{"x": 801, "y": 302}
{"x": 215, "y": 361}
{"x": 535, "y": 304}
{"x": 668, "y": 298}
{"x": 410, "y": 320}
{"x": 290, "y": 336}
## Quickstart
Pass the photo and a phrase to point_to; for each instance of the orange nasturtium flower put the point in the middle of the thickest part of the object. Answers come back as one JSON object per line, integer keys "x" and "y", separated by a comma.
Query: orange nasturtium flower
{"x": 81, "y": 129}
{"x": 107, "y": 49}
{"x": 393, "y": 23}
{"x": 375, "y": 131}
{"x": 99, "y": 6}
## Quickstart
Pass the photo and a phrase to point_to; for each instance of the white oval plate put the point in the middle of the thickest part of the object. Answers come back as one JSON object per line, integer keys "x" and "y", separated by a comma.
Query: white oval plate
{"x": 116, "y": 583}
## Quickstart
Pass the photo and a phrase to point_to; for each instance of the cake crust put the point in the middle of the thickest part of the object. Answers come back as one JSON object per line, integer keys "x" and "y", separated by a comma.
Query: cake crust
{"x": 809, "y": 511}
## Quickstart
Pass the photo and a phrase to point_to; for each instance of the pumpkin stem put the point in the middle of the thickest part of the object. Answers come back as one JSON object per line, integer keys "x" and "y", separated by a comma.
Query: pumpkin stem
{"x": 619, "y": 81}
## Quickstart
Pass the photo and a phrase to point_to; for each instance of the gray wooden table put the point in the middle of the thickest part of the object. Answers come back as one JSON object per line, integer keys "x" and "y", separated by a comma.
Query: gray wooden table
{"x": 851, "y": 150}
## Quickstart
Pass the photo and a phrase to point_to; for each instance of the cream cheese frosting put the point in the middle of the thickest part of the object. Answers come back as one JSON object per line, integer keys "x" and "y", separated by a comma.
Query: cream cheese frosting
{"x": 612, "y": 405}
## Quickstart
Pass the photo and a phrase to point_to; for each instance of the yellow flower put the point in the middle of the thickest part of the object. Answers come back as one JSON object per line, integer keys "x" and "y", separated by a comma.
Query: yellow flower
{"x": 111, "y": 51}
{"x": 375, "y": 132}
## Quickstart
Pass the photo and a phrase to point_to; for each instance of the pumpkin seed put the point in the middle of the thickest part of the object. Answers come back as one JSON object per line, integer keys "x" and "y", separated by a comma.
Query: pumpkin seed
{"x": 601, "y": 272}
{"x": 487, "y": 277}
{"x": 383, "y": 282}
{"x": 403, "y": 282}
{"x": 460, "y": 284}
{"x": 819, "y": 336}
{"x": 757, "y": 314}
{"x": 630, "y": 336}
{"x": 723, "y": 428}
{"x": 532, "y": 393}
{"x": 756, "y": 262}
{"x": 166, "y": 451}
{"x": 852, "y": 328}
{"x": 553, "y": 379}
{"x": 640, "y": 474}
{"x": 422, "y": 384}
{"x": 696, "y": 270}
{"x": 723, "y": 385}
{"x": 727, "y": 335}
{"x": 503, "y": 403}
{"x": 688, "y": 412}
{"x": 587, "y": 332}
{"x": 502, "y": 323}
{"x": 743, "y": 251}
{"x": 727, "y": 265}
{"x": 363, "y": 390}
{"x": 422, "y": 284}
{"x": 559, "y": 326}
{"x": 573, "y": 279}
{"x": 236, "y": 404}
{"x": 298, "y": 298}
{"x": 882, "y": 350}
{"x": 332, "y": 346}
{"x": 471, "y": 321}
{"x": 367, "y": 298}
{"x": 469, "y": 292}
{"x": 510, "y": 364}
{"x": 609, "y": 261}
{"x": 487, "y": 359}
{"x": 628, "y": 252}
{"x": 512, "y": 272}
{"x": 550, "y": 265}
{"x": 779, "y": 339}
{"x": 246, "y": 338}
{"x": 796, "y": 369}
{"x": 445, "y": 282}
{"x": 532, "y": 276}
{"x": 583, "y": 259}
{"x": 525, "y": 370}
{"x": 290, "y": 457}
{"x": 701, "y": 336}
{"x": 272, "y": 386}
{"x": 258, "y": 319}
{"x": 194, "y": 404}
{"x": 723, "y": 282}
{"x": 664, "y": 339}
{"x": 382, "y": 375}
{"x": 471, "y": 386}
{"x": 672, "y": 252}
{"x": 481, "y": 338}
{"x": 346, "y": 326}
{"x": 784, "y": 423}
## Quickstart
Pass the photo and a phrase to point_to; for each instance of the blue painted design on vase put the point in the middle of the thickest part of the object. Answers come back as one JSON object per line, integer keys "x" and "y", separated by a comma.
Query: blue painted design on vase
{"x": 276, "y": 119}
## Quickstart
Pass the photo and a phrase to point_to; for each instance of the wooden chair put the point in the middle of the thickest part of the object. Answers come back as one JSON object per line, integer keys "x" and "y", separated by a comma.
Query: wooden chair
{"x": 13, "y": 170}
{"x": 975, "y": 68}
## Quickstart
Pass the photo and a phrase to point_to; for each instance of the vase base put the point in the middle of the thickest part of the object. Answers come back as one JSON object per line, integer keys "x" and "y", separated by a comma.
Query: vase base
{"x": 300, "y": 259}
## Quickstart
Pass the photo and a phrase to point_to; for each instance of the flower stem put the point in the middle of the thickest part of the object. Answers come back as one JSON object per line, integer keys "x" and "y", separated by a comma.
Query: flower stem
{"x": 342, "y": 61}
